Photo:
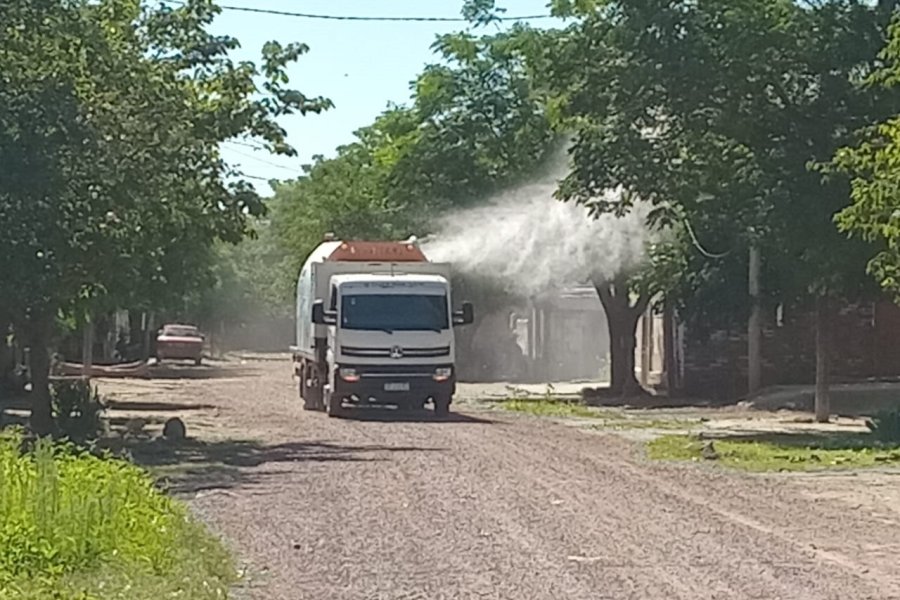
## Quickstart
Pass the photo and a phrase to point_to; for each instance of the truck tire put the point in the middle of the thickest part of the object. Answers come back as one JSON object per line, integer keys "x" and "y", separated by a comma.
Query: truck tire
{"x": 442, "y": 406}
{"x": 333, "y": 405}
{"x": 311, "y": 395}
{"x": 305, "y": 395}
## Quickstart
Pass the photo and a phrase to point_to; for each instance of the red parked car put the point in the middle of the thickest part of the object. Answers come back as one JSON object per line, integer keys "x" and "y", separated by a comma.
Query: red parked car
{"x": 179, "y": 342}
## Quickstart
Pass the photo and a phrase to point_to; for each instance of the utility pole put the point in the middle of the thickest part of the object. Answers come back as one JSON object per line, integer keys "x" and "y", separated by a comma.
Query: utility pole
{"x": 87, "y": 345}
{"x": 754, "y": 325}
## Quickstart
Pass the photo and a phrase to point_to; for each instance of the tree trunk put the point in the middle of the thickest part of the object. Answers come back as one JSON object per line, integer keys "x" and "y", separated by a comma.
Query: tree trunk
{"x": 823, "y": 395}
{"x": 622, "y": 319}
{"x": 37, "y": 331}
{"x": 149, "y": 332}
{"x": 754, "y": 325}
{"x": 622, "y": 332}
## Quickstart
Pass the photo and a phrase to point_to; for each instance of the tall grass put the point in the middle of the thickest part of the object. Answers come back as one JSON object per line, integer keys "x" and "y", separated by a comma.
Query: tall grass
{"x": 73, "y": 525}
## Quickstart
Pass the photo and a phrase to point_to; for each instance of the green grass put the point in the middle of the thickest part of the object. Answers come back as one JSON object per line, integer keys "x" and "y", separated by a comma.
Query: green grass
{"x": 548, "y": 407}
{"x": 638, "y": 423}
{"x": 77, "y": 527}
{"x": 785, "y": 453}
{"x": 609, "y": 419}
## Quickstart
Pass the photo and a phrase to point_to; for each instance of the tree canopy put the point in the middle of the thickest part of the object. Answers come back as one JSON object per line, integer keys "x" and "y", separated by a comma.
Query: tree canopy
{"x": 113, "y": 187}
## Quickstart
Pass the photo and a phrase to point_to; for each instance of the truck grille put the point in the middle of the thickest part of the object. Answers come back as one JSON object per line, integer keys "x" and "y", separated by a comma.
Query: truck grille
{"x": 390, "y": 353}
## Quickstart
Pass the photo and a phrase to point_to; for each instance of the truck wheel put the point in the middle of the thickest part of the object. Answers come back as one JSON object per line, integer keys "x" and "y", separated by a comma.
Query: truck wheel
{"x": 442, "y": 406}
{"x": 311, "y": 395}
{"x": 333, "y": 405}
{"x": 309, "y": 403}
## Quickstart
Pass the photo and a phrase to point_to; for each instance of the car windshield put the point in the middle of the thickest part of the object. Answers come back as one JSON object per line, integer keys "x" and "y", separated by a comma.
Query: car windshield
{"x": 394, "y": 312}
{"x": 181, "y": 331}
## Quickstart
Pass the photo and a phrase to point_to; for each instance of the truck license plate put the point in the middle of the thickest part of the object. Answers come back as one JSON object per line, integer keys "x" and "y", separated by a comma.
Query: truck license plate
{"x": 396, "y": 387}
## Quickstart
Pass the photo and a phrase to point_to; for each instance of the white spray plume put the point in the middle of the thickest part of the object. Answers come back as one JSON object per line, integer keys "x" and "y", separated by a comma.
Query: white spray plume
{"x": 530, "y": 242}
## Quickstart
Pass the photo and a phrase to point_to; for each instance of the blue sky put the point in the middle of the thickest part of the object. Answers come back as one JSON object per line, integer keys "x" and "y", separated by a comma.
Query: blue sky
{"x": 360, "y": 66}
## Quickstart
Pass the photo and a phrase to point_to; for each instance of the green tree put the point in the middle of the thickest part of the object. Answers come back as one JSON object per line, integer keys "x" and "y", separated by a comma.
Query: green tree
{"x": 872, "y": 164}
{"x": 471, "y": 128}
{"x": 713, "y": 112}
{"x": 113, "y": 188}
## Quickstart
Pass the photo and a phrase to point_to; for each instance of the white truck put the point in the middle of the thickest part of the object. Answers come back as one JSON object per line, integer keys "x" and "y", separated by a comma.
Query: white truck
{"x": 375, "y": 326}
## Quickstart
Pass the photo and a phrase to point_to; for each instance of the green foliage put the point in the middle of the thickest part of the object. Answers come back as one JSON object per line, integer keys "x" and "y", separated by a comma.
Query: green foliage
{"x": 482, "y": 12}
{"x": 78, "y": 410}
{"x": 548, "y": 407}
{"x": 714, "y": 112}
{"x": 113, "y": 190}
{"x": 76, "y": 526}
{"x": 885, "y": 426}
{"x": 472, "y": 127}
{"x": 872, "y": 165}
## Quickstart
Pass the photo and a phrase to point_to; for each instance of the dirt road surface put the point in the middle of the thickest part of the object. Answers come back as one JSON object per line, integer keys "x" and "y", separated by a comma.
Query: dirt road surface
{"x": 491, "y": 505}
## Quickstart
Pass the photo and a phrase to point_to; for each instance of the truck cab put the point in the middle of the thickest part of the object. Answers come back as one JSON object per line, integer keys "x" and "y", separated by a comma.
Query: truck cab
{"x": 377, "y": 332}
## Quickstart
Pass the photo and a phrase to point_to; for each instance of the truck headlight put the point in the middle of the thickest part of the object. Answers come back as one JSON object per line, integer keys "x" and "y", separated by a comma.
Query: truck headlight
{"x": 348, "y": 375}
{"x": 442, "y": 374}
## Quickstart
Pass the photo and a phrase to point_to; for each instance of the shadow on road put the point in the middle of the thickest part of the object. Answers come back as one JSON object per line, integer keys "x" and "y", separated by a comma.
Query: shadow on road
{"x": 192, "y": 465}
{"x": 188, "y": 371}
{"x": 138, "y": 406}
{"x": 389, "y": 414}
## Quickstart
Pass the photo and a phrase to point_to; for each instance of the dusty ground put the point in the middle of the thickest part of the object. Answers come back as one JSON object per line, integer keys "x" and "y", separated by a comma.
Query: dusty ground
{"x": 495, "y": 505}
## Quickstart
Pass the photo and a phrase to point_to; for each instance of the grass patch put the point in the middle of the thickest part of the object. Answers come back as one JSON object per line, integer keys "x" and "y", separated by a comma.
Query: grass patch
{"x": 785, "y": 453}
{"x": 77, "y": 527}
{"x": 625, "y": 423}
{"x": 549, "y": 407}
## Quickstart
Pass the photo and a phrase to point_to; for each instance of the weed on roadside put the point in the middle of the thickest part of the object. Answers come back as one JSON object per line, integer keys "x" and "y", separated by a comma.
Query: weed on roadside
{"x": 73, "y": 525}
{"x": 548, "y": 407}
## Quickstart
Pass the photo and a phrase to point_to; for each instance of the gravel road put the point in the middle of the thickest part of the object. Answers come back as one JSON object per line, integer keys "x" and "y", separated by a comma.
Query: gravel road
{"x": 491, "y": 505}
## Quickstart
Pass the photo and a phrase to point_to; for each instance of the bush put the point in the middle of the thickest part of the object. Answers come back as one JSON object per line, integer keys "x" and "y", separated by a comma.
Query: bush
{"x": 885, "y": 426}
{"x": 78, "y": 410}
{"x": 74, "y": 525}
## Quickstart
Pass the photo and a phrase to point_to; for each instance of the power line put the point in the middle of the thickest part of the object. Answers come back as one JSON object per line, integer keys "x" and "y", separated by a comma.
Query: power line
{"x": 247, "y": 144}
{"x": 261, "y": 160}
{"x": 283, "y": 13}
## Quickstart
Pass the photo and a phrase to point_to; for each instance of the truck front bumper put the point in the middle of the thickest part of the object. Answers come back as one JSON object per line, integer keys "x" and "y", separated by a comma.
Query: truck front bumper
{"x": 391, "y": 384}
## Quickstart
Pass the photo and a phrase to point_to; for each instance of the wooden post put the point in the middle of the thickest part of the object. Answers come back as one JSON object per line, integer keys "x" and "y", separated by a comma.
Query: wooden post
{"x": 754, "y": 325}
{"x": 646, "y": 348}
{"x": 87, "y": 345}
{"x": 670, "y": 366}
{"x": 823, "y": 393}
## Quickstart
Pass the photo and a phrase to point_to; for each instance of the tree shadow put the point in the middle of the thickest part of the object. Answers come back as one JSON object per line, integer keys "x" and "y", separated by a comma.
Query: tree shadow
{"x": 642, "y": 400}
{"x": 177, "y": 371}
{"x": 191, "y": 466}
{"x": 137, "y": 406}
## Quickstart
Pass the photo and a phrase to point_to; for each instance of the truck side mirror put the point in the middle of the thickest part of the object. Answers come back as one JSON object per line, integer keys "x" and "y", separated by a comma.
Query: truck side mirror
{"x": 464, "y": 316}
{"x": 320, "y": 316}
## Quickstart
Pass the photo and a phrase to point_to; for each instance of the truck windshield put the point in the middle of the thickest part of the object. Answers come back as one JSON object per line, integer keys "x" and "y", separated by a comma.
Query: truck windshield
{"x": 394, "y": 312}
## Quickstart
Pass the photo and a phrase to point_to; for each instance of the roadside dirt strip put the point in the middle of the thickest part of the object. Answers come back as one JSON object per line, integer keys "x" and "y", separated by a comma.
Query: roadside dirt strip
{"x": 491, "y": 505}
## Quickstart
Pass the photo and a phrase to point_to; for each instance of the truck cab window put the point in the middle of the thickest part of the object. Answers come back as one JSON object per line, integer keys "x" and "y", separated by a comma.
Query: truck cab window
{"x": 394, "y": 312}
